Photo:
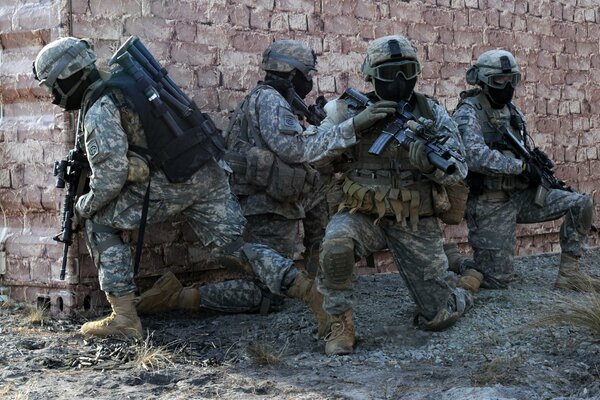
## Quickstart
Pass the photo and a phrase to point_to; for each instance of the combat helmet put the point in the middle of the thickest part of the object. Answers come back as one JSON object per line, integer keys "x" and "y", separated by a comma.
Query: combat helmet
{"x": 285, "y": 55}
{"x": 63, "y": 58}
{"x": 394, "y": 50}
{"x": 495, "y": 68}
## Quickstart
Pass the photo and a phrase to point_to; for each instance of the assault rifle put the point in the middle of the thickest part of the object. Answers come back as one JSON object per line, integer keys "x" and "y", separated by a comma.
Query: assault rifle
{"x": 537, "y": 158}
{"x": 314, "y": 113}
{"x": 69, "y": 172}
{"x": 405, "y": 128}
{"x": 545, "y": 165}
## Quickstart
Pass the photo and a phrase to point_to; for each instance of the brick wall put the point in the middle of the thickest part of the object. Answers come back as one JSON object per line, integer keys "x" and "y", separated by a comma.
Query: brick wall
{"x": 212, "y": 49}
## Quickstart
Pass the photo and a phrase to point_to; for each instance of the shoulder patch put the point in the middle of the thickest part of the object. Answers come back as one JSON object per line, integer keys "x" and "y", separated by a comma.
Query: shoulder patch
{"x": 287, "y": 122}
{"x": 92, "y": 148}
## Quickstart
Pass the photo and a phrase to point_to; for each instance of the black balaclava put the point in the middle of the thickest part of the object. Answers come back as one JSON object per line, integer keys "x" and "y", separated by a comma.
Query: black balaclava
{"x": 399, "y": 89}
{"x": 500, "y": 97}
{"x": 73, "y": 101}
{"x": 301, "y": 84}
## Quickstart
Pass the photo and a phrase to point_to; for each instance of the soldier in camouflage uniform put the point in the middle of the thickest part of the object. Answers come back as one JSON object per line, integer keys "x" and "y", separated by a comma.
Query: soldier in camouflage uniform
{"x": 505, "y": 188}
{"x": 387, "y": 199}
{"x": 109, "y": 128}
{"x": 269, "y": 151}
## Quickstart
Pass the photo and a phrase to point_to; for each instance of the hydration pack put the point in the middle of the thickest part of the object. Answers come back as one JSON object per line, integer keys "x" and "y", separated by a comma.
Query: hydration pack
{"x": 180, "y": 138}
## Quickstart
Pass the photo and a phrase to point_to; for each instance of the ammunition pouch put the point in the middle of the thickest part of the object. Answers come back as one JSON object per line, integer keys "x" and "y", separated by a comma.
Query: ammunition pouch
{"x": 409, "y": 202}
{"x": 450, "y": 202}
{"x": 260, "y": 169}
{"x": 259, "y": 163}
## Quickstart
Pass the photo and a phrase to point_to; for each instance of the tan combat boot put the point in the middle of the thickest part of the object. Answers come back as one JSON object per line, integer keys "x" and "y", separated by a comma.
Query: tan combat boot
{"x": 470, "y": 280}
{"x": 123, "y": 320}
{"x": 305, "y": 289}
{"x": 572, "y": 278}
{"x": 168, "y": 294}
{"x": 341, "y": 338}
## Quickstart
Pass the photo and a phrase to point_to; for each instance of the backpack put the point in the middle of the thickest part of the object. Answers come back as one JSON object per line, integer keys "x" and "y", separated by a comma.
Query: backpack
{"x": 180, "y": 138}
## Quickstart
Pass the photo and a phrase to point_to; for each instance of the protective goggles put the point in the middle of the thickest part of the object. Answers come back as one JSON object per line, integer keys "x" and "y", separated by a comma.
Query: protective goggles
{"x": 388, "y": 72}
{"x": 501, "y": 80}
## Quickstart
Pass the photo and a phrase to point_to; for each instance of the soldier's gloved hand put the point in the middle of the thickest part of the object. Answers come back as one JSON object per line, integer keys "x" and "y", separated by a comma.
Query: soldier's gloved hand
{"x": 532, "y": 173}
{"x": 418, "y": 157}
{"x": 373, "y": 113}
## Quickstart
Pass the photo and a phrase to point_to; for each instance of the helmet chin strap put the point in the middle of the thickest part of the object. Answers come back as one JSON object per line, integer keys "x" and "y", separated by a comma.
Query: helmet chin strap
{"x": 64, "y": 96}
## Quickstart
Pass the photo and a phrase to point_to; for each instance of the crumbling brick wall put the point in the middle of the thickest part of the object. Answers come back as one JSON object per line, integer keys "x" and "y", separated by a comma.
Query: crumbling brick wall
{"x": 212, "y": 49}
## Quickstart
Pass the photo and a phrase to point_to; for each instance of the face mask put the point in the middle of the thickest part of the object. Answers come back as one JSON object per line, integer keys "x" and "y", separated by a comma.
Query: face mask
{"x": 72, "y": 101}
{"x": 500, "y": 97}
{"x": 398, "y": 89}
{"x": 302, "y": 86}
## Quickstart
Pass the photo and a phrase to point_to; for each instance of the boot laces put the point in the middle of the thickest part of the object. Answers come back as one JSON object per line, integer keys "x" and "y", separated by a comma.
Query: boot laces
{"x": 337, "y": 329}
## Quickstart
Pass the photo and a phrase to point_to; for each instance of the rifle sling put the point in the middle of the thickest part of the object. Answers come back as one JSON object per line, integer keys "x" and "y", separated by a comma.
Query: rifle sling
{"x": 141, "y": 229}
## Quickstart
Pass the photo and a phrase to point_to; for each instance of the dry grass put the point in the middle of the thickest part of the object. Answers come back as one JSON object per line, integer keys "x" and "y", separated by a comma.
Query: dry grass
{"x": 264, "y": 353}
{"x": 578, "y": 309}
{"x": 502, "y": 370}
{"x": 18, "y": 394}
{"x": 151, "y": 357}
{"x": 37, "y": 316}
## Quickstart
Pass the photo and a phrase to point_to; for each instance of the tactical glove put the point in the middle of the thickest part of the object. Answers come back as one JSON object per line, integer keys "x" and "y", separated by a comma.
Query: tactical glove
{"x": 532, "y": 173}
{"x": 418, "y": 157}
{"x": 373, "y": 113}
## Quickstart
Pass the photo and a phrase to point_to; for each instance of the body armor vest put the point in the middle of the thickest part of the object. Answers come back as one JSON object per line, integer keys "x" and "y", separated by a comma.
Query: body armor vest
{"x": 490, "y": 120}
{"x": 388, "y": 184}
{"x": 259, "y": 173}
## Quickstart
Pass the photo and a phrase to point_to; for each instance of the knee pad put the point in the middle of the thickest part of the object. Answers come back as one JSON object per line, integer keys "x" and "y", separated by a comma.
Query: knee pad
{"x": 337, "y": 262}
{"x": 583, "y": 223}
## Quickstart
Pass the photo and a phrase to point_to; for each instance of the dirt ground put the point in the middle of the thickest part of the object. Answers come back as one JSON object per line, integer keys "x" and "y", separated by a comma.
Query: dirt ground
{"x": 498, "y": 351}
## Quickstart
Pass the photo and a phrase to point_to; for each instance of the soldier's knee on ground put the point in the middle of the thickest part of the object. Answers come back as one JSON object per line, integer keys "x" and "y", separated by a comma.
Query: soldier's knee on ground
{"x": 459, "y": 302}
{"x": 233, "y": 296}
{"x": 337, "y": 262}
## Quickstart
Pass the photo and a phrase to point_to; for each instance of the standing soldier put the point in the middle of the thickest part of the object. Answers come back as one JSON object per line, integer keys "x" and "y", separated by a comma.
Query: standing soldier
{"x": 109, "y": 129}
{"x": 387, "y": 200}
{"x": 507, "y": 189}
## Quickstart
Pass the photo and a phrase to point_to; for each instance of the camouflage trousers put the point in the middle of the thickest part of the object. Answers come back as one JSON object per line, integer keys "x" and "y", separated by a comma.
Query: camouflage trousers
{"x": 419, "y": 257}
{"x": 205, "y": 201}
{"x": 492, "y": 224}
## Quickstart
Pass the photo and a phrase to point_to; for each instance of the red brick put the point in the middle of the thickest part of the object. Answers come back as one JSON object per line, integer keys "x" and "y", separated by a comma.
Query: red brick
{"x": 366, "y": 10}
{"x": 437, "y": 17}
{"x": 149, "y": 28}
{"x": 185, "y": 31}
{"x": 305, "y": 6}
{"x": 341, "y": 25}
{"x": 260, "y": 18}
{"x": 113, "y": 9}
{"x": 240, "y": 15}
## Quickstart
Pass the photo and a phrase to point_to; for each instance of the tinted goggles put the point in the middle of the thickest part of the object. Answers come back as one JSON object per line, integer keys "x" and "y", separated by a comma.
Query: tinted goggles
{"x": 388, "y": 72}
{"x": 501, "y": 80}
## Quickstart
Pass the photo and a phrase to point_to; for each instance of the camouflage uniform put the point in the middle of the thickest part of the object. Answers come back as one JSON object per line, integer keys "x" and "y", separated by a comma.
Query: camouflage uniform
{"x": 114, "y": 204}
{"x": 501, "y": 195}
{"x": 387, "y": 203}
{"x": 418, "y": 253}
{"x": 265, "y": 123}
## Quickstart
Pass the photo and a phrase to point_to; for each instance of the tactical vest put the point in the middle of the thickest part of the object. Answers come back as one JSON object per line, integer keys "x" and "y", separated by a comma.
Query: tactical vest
{"x": 178, "y": 157}
{"x": 491, "y": 120}
{"x": 388, "y": 184}
{"x": 258, "y": 170}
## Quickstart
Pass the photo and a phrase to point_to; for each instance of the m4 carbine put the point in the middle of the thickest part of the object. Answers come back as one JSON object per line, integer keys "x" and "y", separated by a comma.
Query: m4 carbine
{"x": 537, "y": 158}
{"x": 72, "y": 173}
{"x": 314, "y": 113}
{"x": 405, "y": 128}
